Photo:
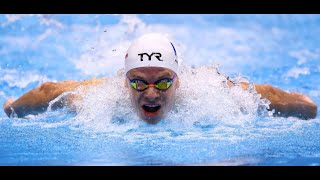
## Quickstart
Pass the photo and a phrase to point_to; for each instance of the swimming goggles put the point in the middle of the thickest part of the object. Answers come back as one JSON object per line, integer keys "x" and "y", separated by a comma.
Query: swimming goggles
{"x": 161, "y": 84}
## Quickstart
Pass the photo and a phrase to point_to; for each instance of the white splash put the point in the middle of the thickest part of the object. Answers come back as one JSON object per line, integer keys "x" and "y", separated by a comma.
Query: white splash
{"x": 203, "y": 98}
{"x": 305, "y": 55}
{"x": 295, "y": 72}
{"x": 107, "y": 107}
{"x": 21, "y": 79}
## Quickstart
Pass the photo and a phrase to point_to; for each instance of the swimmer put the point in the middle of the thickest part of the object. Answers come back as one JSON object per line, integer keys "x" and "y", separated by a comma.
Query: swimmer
{"x": 152, "y": 79}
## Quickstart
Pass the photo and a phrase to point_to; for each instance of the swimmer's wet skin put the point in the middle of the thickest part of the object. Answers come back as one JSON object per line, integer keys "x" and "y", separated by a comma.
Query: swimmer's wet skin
{"x": 153, "y": 103}
{"x": 152, "y": 78}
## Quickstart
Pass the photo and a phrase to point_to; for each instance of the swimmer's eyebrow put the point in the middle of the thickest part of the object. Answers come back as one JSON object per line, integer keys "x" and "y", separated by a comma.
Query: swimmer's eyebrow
{"x": 166, "y": 75}
{"x": 163, "y": 75}
{"x": 137, "y": 77}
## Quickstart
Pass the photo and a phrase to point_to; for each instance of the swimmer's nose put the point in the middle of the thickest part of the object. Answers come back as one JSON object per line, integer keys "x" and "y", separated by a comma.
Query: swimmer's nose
{"x": 152, "y": 94}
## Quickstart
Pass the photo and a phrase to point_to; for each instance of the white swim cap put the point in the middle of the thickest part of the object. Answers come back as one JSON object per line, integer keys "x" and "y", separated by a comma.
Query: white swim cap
{"x": 151, "y": 50}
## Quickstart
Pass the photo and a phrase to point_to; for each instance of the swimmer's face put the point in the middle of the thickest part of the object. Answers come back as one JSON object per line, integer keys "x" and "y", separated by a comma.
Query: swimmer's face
{"x": 152, "y": 104}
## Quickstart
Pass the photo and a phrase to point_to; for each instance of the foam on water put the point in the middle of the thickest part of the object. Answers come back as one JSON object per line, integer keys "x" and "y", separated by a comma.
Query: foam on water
{"x": 203, "y": 97}
{"x": 20, "y": 79}
{"x": 204, "y": 101}
{"x": 205, "y": 106}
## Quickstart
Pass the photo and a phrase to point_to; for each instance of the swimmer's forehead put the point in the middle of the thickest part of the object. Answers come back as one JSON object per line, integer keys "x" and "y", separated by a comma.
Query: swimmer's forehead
{"x": 150, "y": 71}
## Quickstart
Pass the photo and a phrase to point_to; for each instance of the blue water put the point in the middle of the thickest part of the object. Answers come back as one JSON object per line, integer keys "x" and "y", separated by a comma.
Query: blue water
{"x": 281, "y": 50}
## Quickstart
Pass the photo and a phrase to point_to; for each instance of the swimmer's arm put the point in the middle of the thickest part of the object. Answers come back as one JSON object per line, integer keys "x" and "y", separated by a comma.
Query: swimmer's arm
{"x": 287, "y": 104}
{"x": 37, "y": 100}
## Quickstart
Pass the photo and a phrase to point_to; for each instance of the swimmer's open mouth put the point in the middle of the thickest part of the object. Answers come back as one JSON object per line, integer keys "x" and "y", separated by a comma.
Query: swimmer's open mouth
{"x": 151, "y": 107}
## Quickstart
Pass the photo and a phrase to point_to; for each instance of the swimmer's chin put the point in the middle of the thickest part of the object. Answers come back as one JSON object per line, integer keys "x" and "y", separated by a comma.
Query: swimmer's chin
{"x": 152, "y": 116}
{"x": 152, "y": 120}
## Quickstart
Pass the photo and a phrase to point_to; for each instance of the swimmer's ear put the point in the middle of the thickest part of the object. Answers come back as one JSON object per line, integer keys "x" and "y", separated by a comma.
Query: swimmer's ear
{"x": 178, "y": 82}
{"x": 125, "y": 83}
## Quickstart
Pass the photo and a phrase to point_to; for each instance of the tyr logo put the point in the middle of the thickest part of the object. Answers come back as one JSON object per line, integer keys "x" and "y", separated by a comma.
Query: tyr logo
{"x": 157, "y": 55}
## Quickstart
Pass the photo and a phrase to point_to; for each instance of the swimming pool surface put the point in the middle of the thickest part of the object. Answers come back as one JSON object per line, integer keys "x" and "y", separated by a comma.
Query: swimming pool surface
{"x": 209, "y": 124}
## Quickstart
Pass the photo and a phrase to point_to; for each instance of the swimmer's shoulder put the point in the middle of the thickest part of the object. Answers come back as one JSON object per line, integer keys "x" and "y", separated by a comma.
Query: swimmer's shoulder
{"x": 94, "y": 81}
